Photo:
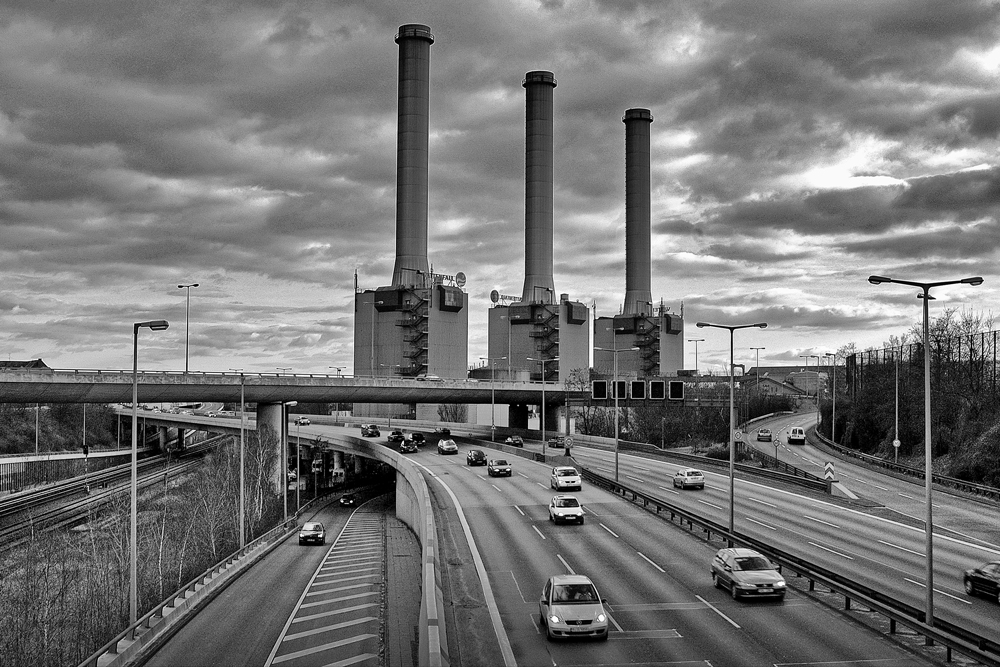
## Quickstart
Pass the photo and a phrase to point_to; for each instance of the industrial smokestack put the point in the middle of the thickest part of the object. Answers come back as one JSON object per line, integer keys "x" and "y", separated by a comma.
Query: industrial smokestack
{"x": 411, "y": 154}
{"x": 538, "y": 159}
{"x": 637, "y": 213}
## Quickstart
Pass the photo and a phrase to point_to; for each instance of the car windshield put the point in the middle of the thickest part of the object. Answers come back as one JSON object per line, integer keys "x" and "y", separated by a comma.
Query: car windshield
{"x": 574, "y": 593}
{"x": 312, "y": 526}
{"x": 567, "y": 502}
{"x": 499, "y": 462}
{"x": 749, "y": 563}
{"x": 566, "y": 473}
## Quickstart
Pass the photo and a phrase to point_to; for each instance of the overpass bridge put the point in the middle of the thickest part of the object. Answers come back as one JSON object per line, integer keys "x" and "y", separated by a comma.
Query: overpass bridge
{"x": 115, "y": 386}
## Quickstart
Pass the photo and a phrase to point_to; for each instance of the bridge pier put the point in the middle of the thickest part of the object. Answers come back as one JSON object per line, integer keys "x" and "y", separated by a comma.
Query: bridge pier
{"x": 273, "y": 415}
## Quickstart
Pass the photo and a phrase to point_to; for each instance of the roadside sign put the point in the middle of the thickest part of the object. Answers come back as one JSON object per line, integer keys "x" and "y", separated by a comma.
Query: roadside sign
{"x": 896, "y": 444}
{"x": 738, "y": 435}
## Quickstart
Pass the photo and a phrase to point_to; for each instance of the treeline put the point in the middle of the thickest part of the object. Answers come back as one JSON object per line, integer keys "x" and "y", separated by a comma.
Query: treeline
{"x": 64, "y": 594}
{"x": 60, "y": 427}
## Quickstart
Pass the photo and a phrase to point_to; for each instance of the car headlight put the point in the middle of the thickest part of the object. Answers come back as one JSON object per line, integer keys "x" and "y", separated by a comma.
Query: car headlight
{"x": 779, "y": 584}
{"x": 554, "y": 619}
{"x": 601, "y": 618}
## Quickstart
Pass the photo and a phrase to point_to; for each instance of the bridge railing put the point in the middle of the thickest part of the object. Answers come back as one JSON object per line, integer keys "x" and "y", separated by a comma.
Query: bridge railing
{"x": 949, "y": 635}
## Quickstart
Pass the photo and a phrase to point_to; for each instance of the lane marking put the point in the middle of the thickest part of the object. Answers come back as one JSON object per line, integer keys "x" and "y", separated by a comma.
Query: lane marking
{"x": 673, "y": 491}
{"x": 896, "y": 546}
{"x": 539, "y": 532}
{"x": 825, "y": 523}
{"x": 820, "y": 546}
{"x": 520, "y": 510}
{"x": 758, "y": 500}
{"x": 608, "y": 529}
{"x": 904, "y": 495}
{"x": 937, "y": 590}
{"x": 760, "y": 523}
{"x": 638, "y": 479}
{"x": 712, "y": 607}
{"x": 705, "y": 502}
{"x": 565, "y": 564}
{"x": 643, "y": 556}
{"x": 496, "y": 487}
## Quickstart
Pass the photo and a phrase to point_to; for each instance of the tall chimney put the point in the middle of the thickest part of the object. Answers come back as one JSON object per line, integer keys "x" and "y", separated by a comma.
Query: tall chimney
{"x": 637, "y": 213}
{"x": 411, "y": 154}
{"x": 538, "y": 159}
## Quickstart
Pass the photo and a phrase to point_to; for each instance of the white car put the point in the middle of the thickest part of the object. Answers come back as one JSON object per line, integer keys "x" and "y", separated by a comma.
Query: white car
{"x": 303, "y": 421}
{"x": 565, "y": 477}
{"x": 565, "y": 508}
{"x": 689, "y": 477}
{"x": 447, "y": 446}
{"x": 571, "y": 607}
{"x": 796, "y": 435}
{"x": 764, "y": 435}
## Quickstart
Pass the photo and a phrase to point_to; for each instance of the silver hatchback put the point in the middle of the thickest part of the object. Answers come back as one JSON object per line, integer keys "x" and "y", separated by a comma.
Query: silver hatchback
{"x": 571, "y": 607}
{"x": 746, "y": 572}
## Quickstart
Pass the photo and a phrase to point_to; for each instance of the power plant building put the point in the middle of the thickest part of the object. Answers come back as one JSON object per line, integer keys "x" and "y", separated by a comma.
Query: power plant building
{"x": 417, "y": 326}
{"x": 650, "y": 339}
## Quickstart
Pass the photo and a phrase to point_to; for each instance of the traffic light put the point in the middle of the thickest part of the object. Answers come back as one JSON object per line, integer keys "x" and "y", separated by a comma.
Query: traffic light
{"x": 676, "y": 390}
{"x": 599, "y": 390}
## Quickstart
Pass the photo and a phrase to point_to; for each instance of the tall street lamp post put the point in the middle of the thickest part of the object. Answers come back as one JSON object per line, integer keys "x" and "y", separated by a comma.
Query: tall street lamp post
{"x": 187, "y": 321}
{"x": 695, "y": 341}
{"x": 833, "y": 413}
{"x": 807, "y": 357}
{"x": 133, "y": 567}
{"x": 543, "y": 362}
{"x": 732, "y": 410}
{"x": 614, "y": 385}
{"x": 243, "y": 531}
{"x": 757, "y": 364}
{"x": 928, "y": 470}
{"x": 493, "y": 396}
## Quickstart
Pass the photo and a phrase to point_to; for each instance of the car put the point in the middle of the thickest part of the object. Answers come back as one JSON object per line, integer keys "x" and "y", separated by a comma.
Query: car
{"x": 443, "y": 431}
{"x": 418, "y": 439}
{"x": 348, "y": 500}
{"x": 565, "y": 508}
{"x": 514, "y": 441}
{"x": 764, "y": 435}
{"x": 746, "y": 573}
{"x": 447, "y": 446}
{"x": 370, "y": 431}
{"x": 796, "y": 435}
{"x": 312, "y": 531}
{"x": 301, "y": 421}
{"x": 570, "y": 606}
{"x": 689, "y": 477}
{"x": 475, "y": 457}
{"x": 498, "y": 468}
{"x": 983, "y": 580}
{"x": 408, "y": 447}
{"x": 396, "y": 437}
{"x": 565, "y": 477}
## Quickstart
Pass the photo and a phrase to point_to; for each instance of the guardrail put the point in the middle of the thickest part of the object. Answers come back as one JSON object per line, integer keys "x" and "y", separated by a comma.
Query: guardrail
{"x": 952, "y": 637}
{"x": 982, "y": 490}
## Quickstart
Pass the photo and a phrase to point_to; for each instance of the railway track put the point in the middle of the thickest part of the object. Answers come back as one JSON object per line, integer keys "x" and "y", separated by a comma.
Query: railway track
{"x": 72, "y": 501}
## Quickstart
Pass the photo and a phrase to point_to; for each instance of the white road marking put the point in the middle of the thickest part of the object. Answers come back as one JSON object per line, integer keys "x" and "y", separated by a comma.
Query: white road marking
{"x": 705, "y": 502}
{"x": 825, "y": 523}
{"x": 760, "y": 523}
{"x": 539, "y": 532}
{"x": 638, "y": 479}
{"x": 937, "y": 590}
{"x": 520, "y": 510}
{"x": 673, "y": 491}
{"x": 820, "y": 546}
{"x": 904, "y": 495}
{"x": 896, "y": 546}
{"x": 565, "y": 564}
{"x": 758, "y": 500}
{"x": 609, "y": 530}
{"x": 643, "y": 556}
{"x": 712, "y": 607}
{"x": 496, "y": 487}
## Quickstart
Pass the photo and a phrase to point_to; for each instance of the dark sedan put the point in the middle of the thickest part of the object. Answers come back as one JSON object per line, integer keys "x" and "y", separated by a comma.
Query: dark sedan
{"x": 984, "y": 580}
{"x": 475, "y": 457}
{"x": 312, "y": 532}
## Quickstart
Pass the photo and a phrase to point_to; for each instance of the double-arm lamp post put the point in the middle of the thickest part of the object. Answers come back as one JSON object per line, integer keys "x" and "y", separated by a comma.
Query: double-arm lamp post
{"x": 493, "y": 396}
{"x": 614, "y": 391}
{"x": 543, "y": 362}
{"x": 807, "y": 357}
{"x": 133, "y": 566}
{"x": 732, "y": 410}
{"x": 187, "y": 321}
{"x": 928, "y": 471}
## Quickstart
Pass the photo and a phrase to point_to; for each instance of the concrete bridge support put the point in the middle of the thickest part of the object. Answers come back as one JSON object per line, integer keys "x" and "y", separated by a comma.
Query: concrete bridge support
{"x": 272, "y": 416}
{"x": 164, "y": 437}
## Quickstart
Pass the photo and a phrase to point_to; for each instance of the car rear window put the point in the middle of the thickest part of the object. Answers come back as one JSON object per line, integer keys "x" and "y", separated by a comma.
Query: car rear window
{"x": 749, "y": 563}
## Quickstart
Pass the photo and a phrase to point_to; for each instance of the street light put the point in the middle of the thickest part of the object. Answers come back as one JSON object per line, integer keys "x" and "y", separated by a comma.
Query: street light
{"x": 807, "y": 357}
{"x": 338, "y": 369}
{"x": 543, "y": 362}
{"x": 757, "y": 364}
{"x": 284, "y": 456}
{"x": 928, "y": 471}
{"x": 614, "y": 385}
{"x": 282, "y": 370}
{"x": 133, "y": 568}
{"x": 493, "y": 396}
{"x": 732, "y": 410}
{"x": 242, "y": 448}
{"x": 833, "y": 415}
{"x": 695, "y": 341}
{"x": 187, "y": 321}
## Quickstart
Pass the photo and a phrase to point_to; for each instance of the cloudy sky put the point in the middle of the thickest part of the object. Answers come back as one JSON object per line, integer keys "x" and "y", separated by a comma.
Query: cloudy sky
{"x": 798, "y": 146}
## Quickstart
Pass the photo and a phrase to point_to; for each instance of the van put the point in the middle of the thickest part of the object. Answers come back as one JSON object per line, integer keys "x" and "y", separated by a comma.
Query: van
{"x": 796, "y": 435}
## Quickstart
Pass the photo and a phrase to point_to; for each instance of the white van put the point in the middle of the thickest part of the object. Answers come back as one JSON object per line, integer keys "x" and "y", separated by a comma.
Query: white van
{"x": 796, "y": 435}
